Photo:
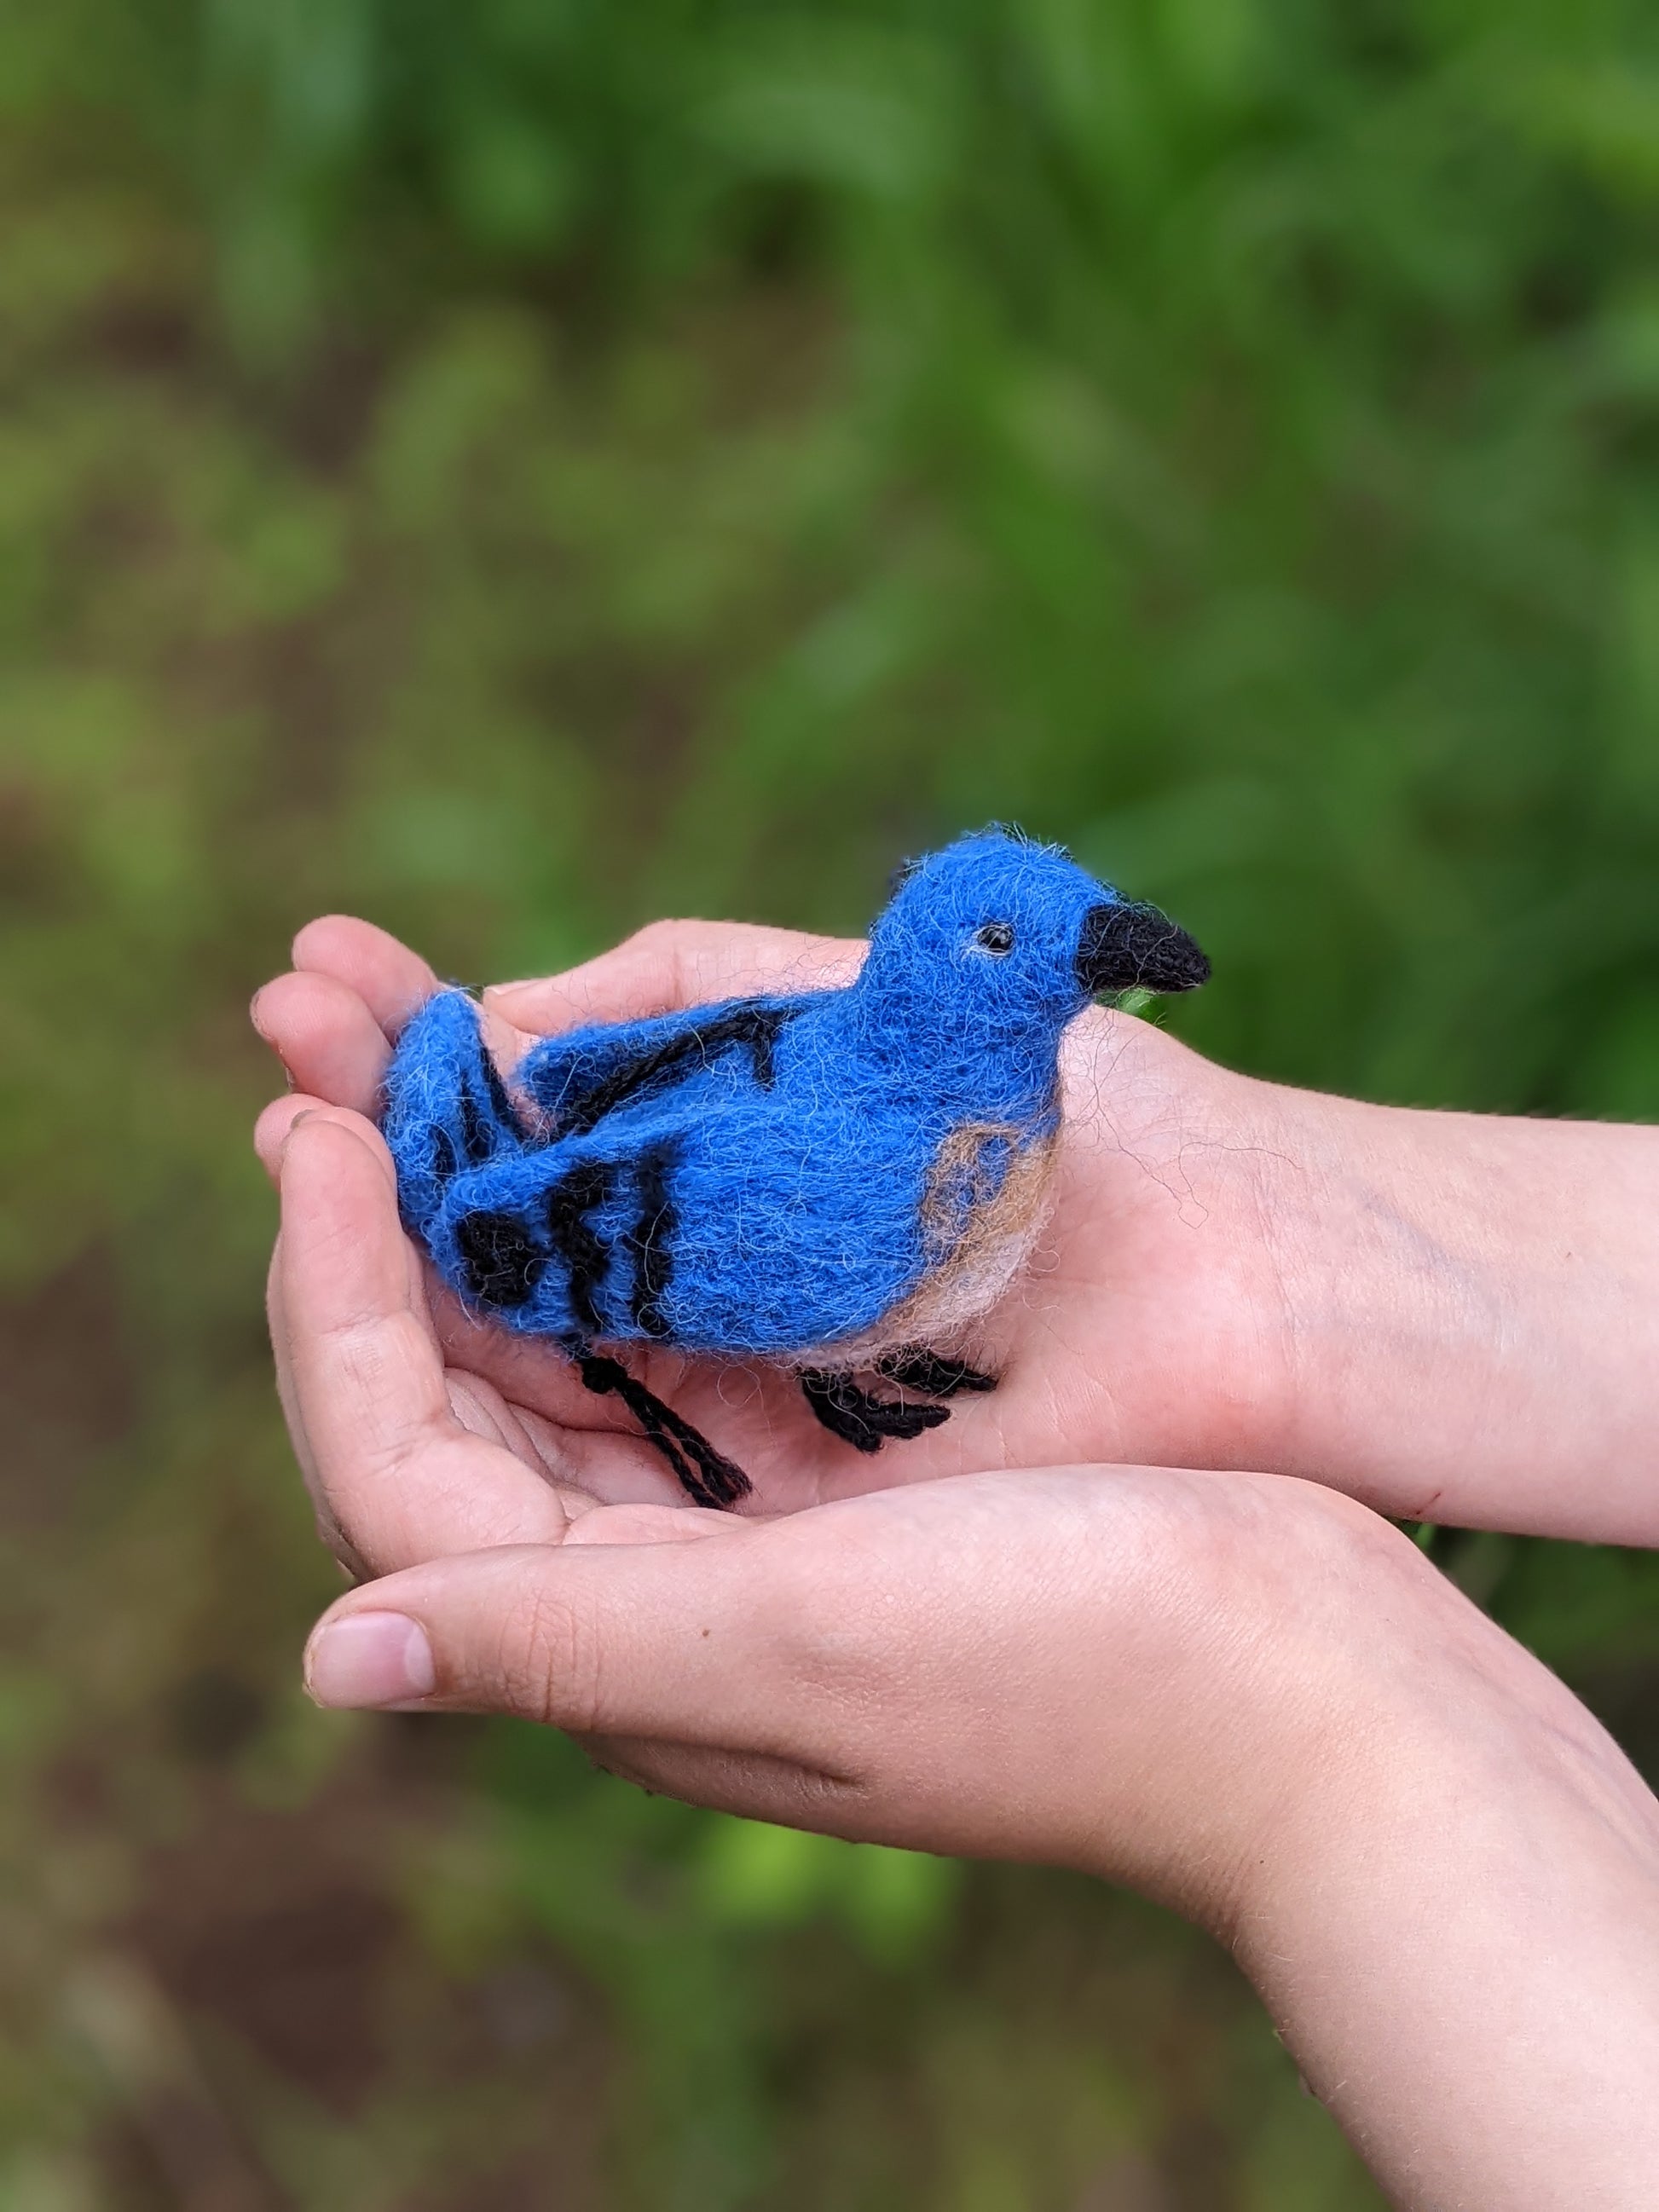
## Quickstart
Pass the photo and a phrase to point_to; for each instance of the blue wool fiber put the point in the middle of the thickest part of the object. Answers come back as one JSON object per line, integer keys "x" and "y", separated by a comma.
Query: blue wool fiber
{"x": 779, "y": 1177}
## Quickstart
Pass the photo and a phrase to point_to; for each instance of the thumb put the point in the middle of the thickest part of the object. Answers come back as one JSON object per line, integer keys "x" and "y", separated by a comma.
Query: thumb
{"x": 691, "y": 1638}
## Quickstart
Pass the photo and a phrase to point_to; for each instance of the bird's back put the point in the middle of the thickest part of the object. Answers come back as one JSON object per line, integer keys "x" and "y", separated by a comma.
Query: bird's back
{"x": 775, "y": 1206}
{"x": 792, "y": 1218}
{"x": 775, "y": 1209}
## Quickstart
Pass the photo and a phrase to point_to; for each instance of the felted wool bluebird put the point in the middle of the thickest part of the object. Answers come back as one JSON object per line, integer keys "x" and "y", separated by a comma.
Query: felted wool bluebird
{"x": 837, "y": 1181}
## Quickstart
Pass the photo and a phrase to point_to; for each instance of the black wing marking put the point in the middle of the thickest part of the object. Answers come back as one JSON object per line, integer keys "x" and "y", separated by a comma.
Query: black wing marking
{"x": 478, "y": 1140}
{"x": 505, "y": 1112}
{"x": 754, "y": 1025}
{"x": 499, "y": 1257}
{"x": 571, "y": 1199}
{"x": 650, "y": 1237}
{"x": 577, "y": 1195}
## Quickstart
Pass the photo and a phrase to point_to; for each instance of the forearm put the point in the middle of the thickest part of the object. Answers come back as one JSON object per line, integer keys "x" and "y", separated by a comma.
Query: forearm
{"x": 1475, "y": 1315}
{"x": 1461, "y": 1943}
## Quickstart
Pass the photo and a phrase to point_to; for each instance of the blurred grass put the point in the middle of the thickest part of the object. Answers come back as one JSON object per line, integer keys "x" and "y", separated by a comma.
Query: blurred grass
{"x": 513, "y": 472}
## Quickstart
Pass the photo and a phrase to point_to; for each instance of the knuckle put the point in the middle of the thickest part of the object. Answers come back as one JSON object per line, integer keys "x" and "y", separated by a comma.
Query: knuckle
{"x": 662, "y": 959}
{"x": 657, "y": 941}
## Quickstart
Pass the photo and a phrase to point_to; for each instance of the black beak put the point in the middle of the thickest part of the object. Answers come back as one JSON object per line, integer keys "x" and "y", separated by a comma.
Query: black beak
{"x": 1125, "y": 947}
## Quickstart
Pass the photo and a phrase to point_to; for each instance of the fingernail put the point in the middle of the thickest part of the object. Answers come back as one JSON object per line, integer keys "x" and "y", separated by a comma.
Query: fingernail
{"x": 369, "y": 1659}
{"x": 253, "y": 1013}
{"x": 288, "y": 1133}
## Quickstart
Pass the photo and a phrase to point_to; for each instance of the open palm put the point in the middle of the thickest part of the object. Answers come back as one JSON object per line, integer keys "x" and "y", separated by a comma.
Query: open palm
{"x": 1143, "y": 1329}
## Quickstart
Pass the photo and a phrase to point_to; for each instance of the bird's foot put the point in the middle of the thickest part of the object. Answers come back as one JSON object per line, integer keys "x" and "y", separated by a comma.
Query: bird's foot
{"x": 860, "y": 1418}
{"x": 915, "y": 1368}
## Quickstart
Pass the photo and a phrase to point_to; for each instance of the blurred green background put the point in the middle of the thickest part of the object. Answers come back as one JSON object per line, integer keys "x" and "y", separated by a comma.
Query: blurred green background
{"x": 512, "y": 471}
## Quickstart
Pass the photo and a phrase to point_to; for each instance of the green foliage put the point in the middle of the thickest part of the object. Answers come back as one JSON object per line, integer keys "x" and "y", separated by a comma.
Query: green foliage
{"x": 1223, "y": 389}
{"x": 520, "y": 469}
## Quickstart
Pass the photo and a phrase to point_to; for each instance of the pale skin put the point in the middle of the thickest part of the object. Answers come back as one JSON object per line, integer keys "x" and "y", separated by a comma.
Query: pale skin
{"x": 1244, "y": 1695}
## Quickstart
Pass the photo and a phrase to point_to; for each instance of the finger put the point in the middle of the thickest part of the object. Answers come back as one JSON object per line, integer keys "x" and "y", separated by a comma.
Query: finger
{"x": 593, "y": 1442}
{"x": 393, "y": 1467}
{"x": 325, "y": 1037}
{"x": 599, "y": 1446}
{"x": 687, "y": 1638}
{"x": 276, "y": 1319}
{"x": 335, "y": 1053}
{"x": 672, "y": 965}
{"x": 271, "y": 1133}
{"x": 270, "y": 1130}
{"x": 390, "y": 980}
{"x": 332, "y": 1536}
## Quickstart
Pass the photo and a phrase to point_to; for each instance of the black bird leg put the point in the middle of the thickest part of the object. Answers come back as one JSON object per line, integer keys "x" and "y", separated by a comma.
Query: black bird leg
{"x": 504, "y": 1262}
{"x": 706, "y": 1476}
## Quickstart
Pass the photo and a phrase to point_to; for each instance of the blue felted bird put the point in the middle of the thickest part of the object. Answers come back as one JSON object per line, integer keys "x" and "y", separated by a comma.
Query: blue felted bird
{"x": 837, "y": 1181}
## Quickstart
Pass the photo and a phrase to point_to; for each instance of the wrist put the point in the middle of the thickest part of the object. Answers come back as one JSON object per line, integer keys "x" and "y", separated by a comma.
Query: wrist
{"x": 1459, "y": 1908}
{"x": 1258, "y": 1297}
{"x": 1264, "y": 1630}
{"x": 1448, "y": 1315}
{"x": 1468, "y": 1305}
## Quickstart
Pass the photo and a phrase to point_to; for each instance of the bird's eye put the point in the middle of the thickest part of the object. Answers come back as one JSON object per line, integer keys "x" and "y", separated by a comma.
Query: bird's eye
{"x": 995, "y": 937}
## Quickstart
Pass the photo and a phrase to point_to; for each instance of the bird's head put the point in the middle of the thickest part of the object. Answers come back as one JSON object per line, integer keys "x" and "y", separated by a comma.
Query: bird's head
{"x": 1016, "y": 937}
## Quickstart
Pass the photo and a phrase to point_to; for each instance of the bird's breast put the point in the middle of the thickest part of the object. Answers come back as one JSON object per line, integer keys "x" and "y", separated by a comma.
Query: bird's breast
{"x": 986, "y": 1195}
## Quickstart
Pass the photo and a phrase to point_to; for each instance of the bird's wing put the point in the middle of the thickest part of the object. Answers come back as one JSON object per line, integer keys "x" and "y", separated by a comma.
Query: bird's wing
{"x": 580, "y": 1077}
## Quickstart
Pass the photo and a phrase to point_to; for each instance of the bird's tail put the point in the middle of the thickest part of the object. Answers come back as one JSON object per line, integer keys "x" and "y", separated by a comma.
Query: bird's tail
{"x": 447, "y": 1111}
{"x": 446, "y": 1107}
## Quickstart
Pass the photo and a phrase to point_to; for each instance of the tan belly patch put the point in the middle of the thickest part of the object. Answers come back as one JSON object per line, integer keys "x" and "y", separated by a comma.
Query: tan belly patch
{"x": 971, "y": 1262}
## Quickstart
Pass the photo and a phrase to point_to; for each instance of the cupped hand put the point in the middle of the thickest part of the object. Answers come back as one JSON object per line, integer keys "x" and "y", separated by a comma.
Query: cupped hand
{"x": 1148, "y": 1326}
{"x": 1081, "y": 1664}
{"x": 1241, "y": 1693}
{"x": 1448, "y": 1315}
